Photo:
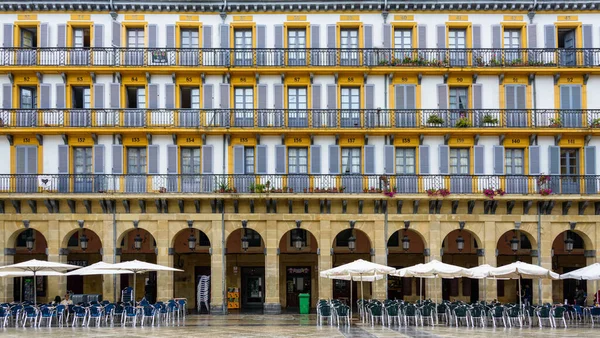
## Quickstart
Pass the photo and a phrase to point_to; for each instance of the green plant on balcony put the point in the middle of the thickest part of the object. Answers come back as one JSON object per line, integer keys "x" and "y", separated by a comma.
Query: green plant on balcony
{"x": 595, "y": 123}
{"x": 555, "y": 123}
{"x": 516, "y": 62}
{"x": 260, "y": 188}
{"x": 495, "y": 63}
{"x": 479, "y": 62}
{"x": 489, "y": 120}
{"x": 463, "y": 122}
{"x": 435, "y": 120}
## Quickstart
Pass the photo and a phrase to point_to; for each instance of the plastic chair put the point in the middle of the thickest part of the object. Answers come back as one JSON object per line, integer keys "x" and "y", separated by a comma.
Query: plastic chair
{"x": 376, "y": 312}
{"x": 94, "y": 312}
{"x": 130, "y": 314}
{"x": 4, "y": 316}
{"x": 411, "y": 312}
{"x": 342, "y": 311}
{"x": 594, "y": 313}
{"x": 172, "y": 310}
{"x": 148, "y": 312}
{"x": 79, "y": 313}
{"x": 118, "y": 312}
{"x": 477, "y": 313}
{"x": 325, "y": 312}
{"x": 442, "y": 311}
{"x": 427, "y": 314}
{"x": 30, "y": 314}
{"x": 543, "y": 313}
{"x": 514, "y": 316}
{"x": 45, "y": 314}
{"x": 15, "y": 314}
{"x": 559, "y": 313}
{"x": 59, "y": 314}
{"x": 460, "y": 314}
{"x": 182, "y": 307}
{"x": 578, "y": 313}
{"x": 393, "y": 314}
{"x": 109, "y": 310}
{"x": 497, "y": 313}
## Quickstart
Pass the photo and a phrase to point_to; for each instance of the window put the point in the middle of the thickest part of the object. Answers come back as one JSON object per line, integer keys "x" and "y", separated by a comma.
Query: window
{"x": 81, "y": 38}
{"x": 394, "y": 240}
{"x": 189, "y": 43}
{"x": 350, "y": 114}
{"x": 458, "y": 99}
{"x": 29, "y": 37}
{"x": 296, "y": 47}
{"x": 254, "y": 239}
{"x": 27, "y": 54}
{"x": 136, "y": 161}
{"x": 569, "y": 161}
{"x": 297, "y": 160}
{"x": 244, "y": 107}
{"x": 81, "y": 98}
{"x": 514, "y": 161}
{"x": 243, "y": 47}
{"x": 349, "y": 46}
{"x": 567, "y": 42}
{"x": 189, "y": 101}
{"x": 459, "y": 161}
{"x": 82, "y": 160}
{"x": 570, "y": 105}
{"x": 512, "y": 41}
{"x": 351, "y": 161}
{"x": 189, "y": 38}
{"x": 341, "y": 240}
{"x": 249, "y": 160}
{"x": 190, "y": 161}
{"x": 402, "y": 43}
{"x": 28, "y": 102}
{"x": 457, "y": 42}
{"x": 136, "y": 100}
{"x": 135, "y": 38}
{"x": 516, "y": 115}
{"x": 203, "y": 239}
{"x": 295, "y": 233}
{"x": 73, "y": 241}
{"x": 525, "y": 243}
{"x": 297, "y": 107}
{"x": 405, "y": 161}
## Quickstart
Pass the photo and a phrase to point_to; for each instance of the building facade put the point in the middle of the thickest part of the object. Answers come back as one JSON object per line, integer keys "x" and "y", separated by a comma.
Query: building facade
{"x": 262, "y": 143}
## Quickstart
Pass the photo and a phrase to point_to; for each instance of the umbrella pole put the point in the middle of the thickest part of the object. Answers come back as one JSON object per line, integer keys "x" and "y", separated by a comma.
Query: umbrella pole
{"x": 421, "y": 289}
{"x": 34, "y": 288}
{"x": 520, "y": 304}
{"x": 134, "y": 282}
{"x": 351, "y": 298}
{"x": 485, "y": 290}
{"x": 362, "y": 296}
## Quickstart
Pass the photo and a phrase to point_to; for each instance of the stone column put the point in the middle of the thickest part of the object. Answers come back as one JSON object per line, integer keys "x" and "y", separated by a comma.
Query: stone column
{"x": 488, "y": 288}
{"x": 218, "y": 264}
{"x": 164, "y": 278}
{"x": 379, "y": 242}
{"x": 108, "y": 255}
{"x": 546, "y": 255}
{"x": 6, "y": 284}
{"x": 272, "y": 304}
{"x": 325, "y": 259}
{"x": 435, "y": 245}
{"x": 591, "y": 284}
{"x": 57, "y": 286}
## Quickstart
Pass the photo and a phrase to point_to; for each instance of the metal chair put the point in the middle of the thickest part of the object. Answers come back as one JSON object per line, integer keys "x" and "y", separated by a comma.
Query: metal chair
{"x": 129, "y": 314}
{"x": 148, "y": 312}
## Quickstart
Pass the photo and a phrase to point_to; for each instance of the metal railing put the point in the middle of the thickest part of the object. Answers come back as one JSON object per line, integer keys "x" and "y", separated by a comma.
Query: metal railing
{"x": 308, "y": 57}
{"x": 308, "y": 118}
{"x": 261, "y": 184}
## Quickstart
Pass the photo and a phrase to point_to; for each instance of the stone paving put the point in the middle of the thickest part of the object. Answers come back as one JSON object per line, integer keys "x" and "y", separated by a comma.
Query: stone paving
{"x": 251, "y": 326}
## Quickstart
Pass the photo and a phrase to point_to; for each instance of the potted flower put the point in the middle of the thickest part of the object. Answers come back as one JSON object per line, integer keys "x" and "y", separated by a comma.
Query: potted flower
{"x": 463, "y": 122}
{"x": 435, "y": 120}
{"x": 431, "y": 192}
{"x": 491, "y": 193}
{"x": 489, "y": 121}
{"x": 545, "y": 191}
{"x": 555, "y": 123}
{"x": 444, "y": 192}
{"x": 595, "y": 123}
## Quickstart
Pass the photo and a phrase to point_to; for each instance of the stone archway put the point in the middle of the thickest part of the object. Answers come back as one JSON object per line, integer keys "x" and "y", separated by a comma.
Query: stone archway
{"x": 568, "y": 254}
{"x": 405, "y": 248}
{"x": 464, "y": 255}
{"x": 342, "y": 254}
{"x": 146, "y": 283}
{"x": 513, "y": 245}
{"x": 82, "y": 254}
{"x": 298, "y": 262}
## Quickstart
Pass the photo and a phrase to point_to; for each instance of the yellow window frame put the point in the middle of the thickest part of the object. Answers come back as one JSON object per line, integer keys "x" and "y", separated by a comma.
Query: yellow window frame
{"x": 79, "y": 24}
{"x": 26, "y": 140}
{"x": 402, "y": 79}
{"x": 296, "y": 25}
{"x": 571, "y": 79}
{"x": 19, "y": 25}
{"x": 297, "y": 81}
{"x": 132, "y": 80}
{"x": 241, "y": 25}
{"x": 127, "y": 25}
{"x": 468, "y": 27}
{"x": 77, "y": 80}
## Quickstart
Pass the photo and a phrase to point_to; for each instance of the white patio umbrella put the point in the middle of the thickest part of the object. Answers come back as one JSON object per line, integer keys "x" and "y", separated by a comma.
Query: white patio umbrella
{"x": 590, "y": 272}
{"x": 136, "y": 267}
{"x": 34, "y": 267}
{"x": 483, "y": 272}
{"x": 518, "y": 270}
{"x": 100, "y": 268}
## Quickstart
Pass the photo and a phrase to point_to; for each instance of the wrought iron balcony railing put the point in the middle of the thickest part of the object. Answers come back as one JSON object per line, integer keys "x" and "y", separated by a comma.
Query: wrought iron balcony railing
{"x": 347, "y": 184}
{"x": 308, "y": 57}
{"x": 296, "y": 119}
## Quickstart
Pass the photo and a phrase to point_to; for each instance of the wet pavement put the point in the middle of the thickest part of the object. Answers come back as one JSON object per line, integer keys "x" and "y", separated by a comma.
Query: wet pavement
{"x": 288, "y": 325}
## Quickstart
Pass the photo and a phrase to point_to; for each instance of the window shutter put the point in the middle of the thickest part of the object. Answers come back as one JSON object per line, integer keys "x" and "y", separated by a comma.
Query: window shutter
{"x": 587, "y": 44}
{"x": 316, "y": 96}
{"x": 32, "y": 158}
{"x": 400, "y": 98}
{"x": 98, "y": 159}
{"x": 8, "y": 35}
{"x": 116, "y": 34}
{"x": 21, "y": 159}
{"x": 261, "y": 36}
{"x": 98, "y": 95}
{"x": 424, "y": 168}
{"x": 153, "y": 158}
{"x": 478, "y": 158}
{"x": 331, "y": 36}
{"x": 60, "y": 96}
{"x": 369, "y": 160}
{"x": 63, "y": 159}
{"x": 444, "y": 154}
{"x": 44, "y": 37}
{"x": 171, "y": 36}
{"x": 496, "y": 36}
{"x": 172, "y": 151}
{"x": 370, "y": 96}
{"x": 411, "y": 99}
{"x": 576, "y": 97}
{"x": 262, "y": 96}
{"x": 549, "y": 40}
{"x": 278, "y": 95}
{"x": 224, "y": 31}
{"x": 45, "y": 96}
{"x": 368, "y": 35}
{"x": 511, "y": 99}
{"x": 280, "y": 159}
{"x": 98, "y": 35}
{"x": 532, "y": 36}
{"x": 153, "y": 96}
{"x": 115, "y": 95}
{"x": 442, "y": 91}
{"x": 117, "y": 159}
{"x": 315, "y": 36}
{"x": 238, "y": 160}
{"x": 590, "y": 160}
{"x": 534, "y": 160}
{"x": 207, "y": 96}
{"x": 315, "y": 159}
{"x": 331, "y": 96}
{"x": 441, "y": 36}
{"x": 206, "y": 36}
{"x": 152, "y": 36}
{"x": 476, "y": 31}
{"x": 261, "y": 159}
{"x": 388, "y": 159}
{"x": 6, "y": 96}
{"x": 498, "y": 160}
{"x": 387, "y": 35}
{"x": 565, "y": 97}
{"x": 334, "y": 159}
{"x": 278, "y": 36}
{"x": 170, "y": 95}
{"x": 207, "y": 159}
{"x": 521, "y": 101}
{"x": 477, "y": 96}
{"x": 554, "y": 160}
{"x": 61, "y": 32}
{"x": 224, "y": 95}
{"x": 422, "y": 36}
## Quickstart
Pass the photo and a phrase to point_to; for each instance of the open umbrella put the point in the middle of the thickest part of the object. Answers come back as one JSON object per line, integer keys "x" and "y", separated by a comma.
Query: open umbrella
{"x": 483, "y": 272}
{"x": 100, "y": 268}
{"x": 35, "y": 266}
{"x": 136, "y": 267}
{"x": 518, "y": 270}
{"x": 590, "y": 272}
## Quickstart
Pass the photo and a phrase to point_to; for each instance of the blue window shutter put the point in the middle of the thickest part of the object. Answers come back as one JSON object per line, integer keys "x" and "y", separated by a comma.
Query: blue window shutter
{"x": 444, "y": 159}
{"x": 98, "y": 95}
{"x": 424, "y": 168}
{"x": 422, "y": 36}
{"x": 280, "y": 159}
{"x": 261, "y": 159}
{"x": 60, "y": 96}
{"x": 44, "y": 35}
{"x": 172, "y": 151}
{"x": 262, "y": 96}
{"x": 477, "y": 96}
{"x": 331, "y": 36}
{"x": 479, "y": 159}
{"x": 207, "y": 96}
{"x": 549, "y": 39}
{"x": 476, "y": 32}
{"x": 61, "y": 30}
{"x": 441, "y": 36}
{"x": 496, "y": 36}
{"x": 399, "y": 96}
{"x": 170, "y": 36}
{"x": 370, "y": 96}
{"x": 261, "y": 36}
{"x": 587, "y": 36}
{"x": 442, "y": 92}
{"x": 278, "y": 36}
{"x": 207, "y": 159}
{"x": 98, "y": 159}
{"x": 498, "y": 160}
{"x": 315, "y": 36}
{"x": 224, "y": 31}
{"x": 315, "y": 159}
{"x": 170, "y": 95}
{"x": 316, "y": 96}
{"x": 8, "y": 35}
{"x": 278, "y": 95}
{"x": 331, "y": 96}
{"x": 32, "y": 158}
{"x": 521, "y": 101}
{"x": 224, "y": 95}
{"x": 206, "y": 36}
{"x": 98, "y": 35}
{"x": 153, "y": 158}
{"x": 63, "y": 159}
{"x": 6, "y": 95}
{"x": 115, "y": 95}
{"x": 411, "y": 97}
{"x": 534, "y": 160}
{"x": 117, "y": 159}
{"x": 152, "y": 36}
{"x": 238, "y": 160}
{"x": 116, "y": 34}
{"x": 368, "y": 36}
{"x": 334, "y": 159}
{"x": 369, "y": 159}
{"x": 387, "y": 35}
{"x": 554, "y": 160}
{"x": 590, "y": 160}
{"x": 45, "y": 96}
{"x": 532, "y": 36}
{"x": 389, "y": 152}
{"x": 153, "y": 96}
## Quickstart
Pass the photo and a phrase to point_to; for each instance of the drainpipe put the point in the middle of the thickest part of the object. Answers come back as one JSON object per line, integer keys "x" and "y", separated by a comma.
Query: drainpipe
{"x": 114, "y": 229}
{"x": 224, "y": 249}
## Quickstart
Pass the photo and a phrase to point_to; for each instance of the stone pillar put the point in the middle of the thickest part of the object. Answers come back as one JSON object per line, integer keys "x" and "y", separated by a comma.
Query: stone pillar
{"x": 57, "y": 286}
{"x": 488, "y": 288}
{"x": 272, "y": 304}
{"x": 591, "y": 284}
{"x": 164, "y": 290}
{"x": 325, "y": 259}
{"x": 379, "y": 242}
{"x": 435, "y": 246}
{"x": 218, "y": 264}
{"x": 108, "y": 291}
{"x": 6, "y": 284}
{"x": 546, "y": 255}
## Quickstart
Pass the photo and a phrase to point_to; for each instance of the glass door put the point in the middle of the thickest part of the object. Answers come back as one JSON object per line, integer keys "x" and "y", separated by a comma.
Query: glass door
{"x": 403, "y": 45}
{"x": 349, "y": 47}
{"x": 80, "y": 54}
{"x": 459, "y": 103}
{"x": 134, "y": 55}
{"x": 190, "y": 169}
{"x": 82, "y": 169}
{"x": 296, "y": 47}
{"x": 351, "y": 170}
{"x": 253, "y": 286}
{"x": 516, "y": 182}
{"x": 243, "y": 47}
{"x": 27, "y": 114}
{"x": 297, "y": 107}
{"x": 244, "y": 107}
{"x": 512, "y": 46}
{"x": 136, "y": 170}
{"x": 460, "y": 180}
{"x": 298, "y": 169}
{"x": 406, "y": 179}
{"x": 457, "y": 42}
{"x": 569, "y": 170}
{"x": 189, "y": 55}
{"x": 350, "y": 114}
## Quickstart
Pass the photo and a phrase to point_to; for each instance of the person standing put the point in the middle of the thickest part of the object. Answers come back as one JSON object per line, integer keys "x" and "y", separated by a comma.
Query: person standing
{"x": 579, "y": 296}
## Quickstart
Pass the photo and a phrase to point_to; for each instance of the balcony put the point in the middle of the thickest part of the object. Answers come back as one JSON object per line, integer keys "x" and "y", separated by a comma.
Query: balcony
{"x": 321, "y": 57}
{"x": 315, "y": 119}
{"x": 297, "y": 184}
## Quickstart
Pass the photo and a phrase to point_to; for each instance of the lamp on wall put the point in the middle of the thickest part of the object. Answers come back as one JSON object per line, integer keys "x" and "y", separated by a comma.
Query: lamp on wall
{"x": 298, "y": 242}
{"x": 405, "y": 239}
{"x": 192, "y": 239}
{"x": 569, "y": 243}
{"x": 83, "y": 241}
{"x": 514, "y": 242}
{"x": 460, "y": 241}
{"x": 352, "y": 239}
{"x": 29, "y": 242}
{"x": 245, "y": 241}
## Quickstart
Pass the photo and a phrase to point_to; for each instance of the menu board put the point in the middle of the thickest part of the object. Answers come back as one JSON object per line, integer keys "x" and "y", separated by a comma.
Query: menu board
{"x": 233, "y": 298}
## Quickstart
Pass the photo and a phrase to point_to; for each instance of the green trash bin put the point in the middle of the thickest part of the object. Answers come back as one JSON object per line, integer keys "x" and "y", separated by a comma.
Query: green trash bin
{"x": 304, "y": 303}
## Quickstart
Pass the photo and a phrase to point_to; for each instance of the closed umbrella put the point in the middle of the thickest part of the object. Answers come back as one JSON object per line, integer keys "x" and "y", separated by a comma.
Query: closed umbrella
{"x": 518, "y": 270}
